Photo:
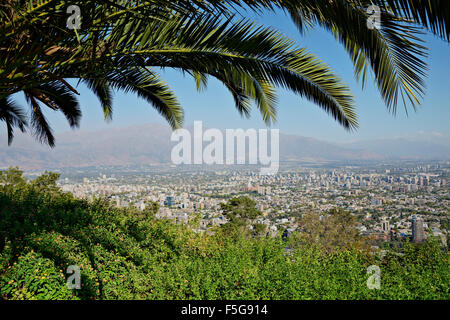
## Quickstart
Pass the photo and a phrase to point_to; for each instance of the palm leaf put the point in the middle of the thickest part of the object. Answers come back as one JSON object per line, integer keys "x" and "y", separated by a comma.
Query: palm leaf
{"x": 432, "y": 14}
{"x": 13, "y": 116}
{"x": 102, "y": 90}
{"x": 150, "y": 87}
{"x": 62, "y": 99}
{"x": 41, "y": 128}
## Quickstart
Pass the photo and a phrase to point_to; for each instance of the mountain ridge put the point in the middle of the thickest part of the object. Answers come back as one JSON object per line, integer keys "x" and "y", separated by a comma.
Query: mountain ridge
{"x": 150, "y": 144}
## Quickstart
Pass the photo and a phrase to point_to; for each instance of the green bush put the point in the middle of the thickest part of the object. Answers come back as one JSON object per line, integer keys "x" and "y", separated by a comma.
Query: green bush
{"x": 126, "y": 255}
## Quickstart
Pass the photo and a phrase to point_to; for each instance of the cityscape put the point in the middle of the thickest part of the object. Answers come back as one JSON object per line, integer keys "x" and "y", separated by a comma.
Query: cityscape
{"x": 391, "y": 201}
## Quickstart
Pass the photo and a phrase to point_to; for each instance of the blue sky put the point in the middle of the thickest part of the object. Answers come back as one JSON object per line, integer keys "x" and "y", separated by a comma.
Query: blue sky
{"x": 215, "y": 106}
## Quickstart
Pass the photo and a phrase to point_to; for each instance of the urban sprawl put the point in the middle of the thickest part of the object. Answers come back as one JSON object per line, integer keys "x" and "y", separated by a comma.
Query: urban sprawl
{"x": 391, "y": 201}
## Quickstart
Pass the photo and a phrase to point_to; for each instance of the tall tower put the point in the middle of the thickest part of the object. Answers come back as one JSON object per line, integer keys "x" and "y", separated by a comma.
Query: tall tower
{"x": 418, "y": 233}
{"x": 385, "y": 226}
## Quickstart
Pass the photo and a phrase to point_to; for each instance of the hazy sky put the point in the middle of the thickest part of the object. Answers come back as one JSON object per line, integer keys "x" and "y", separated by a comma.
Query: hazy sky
{"x": 295, "y": 115}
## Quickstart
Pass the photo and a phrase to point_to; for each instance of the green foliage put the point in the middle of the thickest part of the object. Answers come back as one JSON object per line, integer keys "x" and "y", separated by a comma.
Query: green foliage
{"x": 259, "y": 229}
{"x": 152, "y": 208}
{"x": 240, "y": 209}
{"x": 12, "y": 176}
{"x": 46, "y": 181}
{"x": 123, "y": 254}
{"x": 240, "y": 213}
{"x": 34, "y": 277}
{"x": 334, "y": 231}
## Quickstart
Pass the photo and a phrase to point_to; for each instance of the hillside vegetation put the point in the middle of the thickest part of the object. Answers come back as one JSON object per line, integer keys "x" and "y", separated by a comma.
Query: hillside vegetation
{"x": 128, "y": 254}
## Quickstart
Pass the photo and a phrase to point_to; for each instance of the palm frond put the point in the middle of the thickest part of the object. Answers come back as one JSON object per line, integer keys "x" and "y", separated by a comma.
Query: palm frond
{"x": 432, "y": 14}
{"x": 58, "y": 95}
{"x": 120, "y": 40}
{"x": 395, "y": 53}
{"x": 13, "y": 116}
{"x": 219, "y": 46}
{"x": 150, "y": 87}
{"x": 102, "y": 90}
{"x": 41, "y": 128}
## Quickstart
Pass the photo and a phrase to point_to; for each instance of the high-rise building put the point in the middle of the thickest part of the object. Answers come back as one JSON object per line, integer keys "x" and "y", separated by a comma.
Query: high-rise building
{"x": 170, "y": 201}
{"x": 418, "y": 233}
{"x": 385, "y": 226}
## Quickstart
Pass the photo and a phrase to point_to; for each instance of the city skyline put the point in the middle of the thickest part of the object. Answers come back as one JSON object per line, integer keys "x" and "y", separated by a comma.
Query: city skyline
{"x": 391, "y": 202}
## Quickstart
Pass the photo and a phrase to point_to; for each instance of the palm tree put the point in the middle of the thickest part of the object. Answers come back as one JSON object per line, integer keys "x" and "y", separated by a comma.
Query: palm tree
{"x": 122, "y": 44}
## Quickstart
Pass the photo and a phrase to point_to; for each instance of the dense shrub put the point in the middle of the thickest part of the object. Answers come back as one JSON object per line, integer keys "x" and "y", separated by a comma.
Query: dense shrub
{"x": 123, "y": 254}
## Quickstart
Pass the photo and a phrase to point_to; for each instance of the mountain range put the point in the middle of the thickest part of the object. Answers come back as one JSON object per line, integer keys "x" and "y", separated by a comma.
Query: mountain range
{"x": 150, "y": 145}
